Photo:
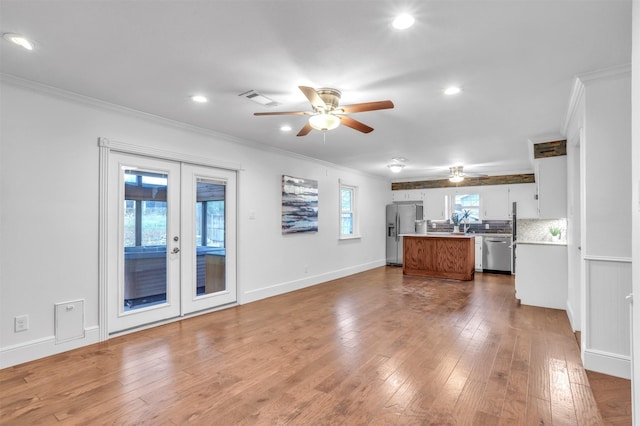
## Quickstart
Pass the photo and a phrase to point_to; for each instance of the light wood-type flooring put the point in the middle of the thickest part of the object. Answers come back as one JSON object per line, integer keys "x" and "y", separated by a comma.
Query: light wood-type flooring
{"x": 376, "y": 348}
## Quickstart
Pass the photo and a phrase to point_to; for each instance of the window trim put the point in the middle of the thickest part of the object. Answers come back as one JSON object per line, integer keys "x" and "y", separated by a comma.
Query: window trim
{"x": 354, "y": 211}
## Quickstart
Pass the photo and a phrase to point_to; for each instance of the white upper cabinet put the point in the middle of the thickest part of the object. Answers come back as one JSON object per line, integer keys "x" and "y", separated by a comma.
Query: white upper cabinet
{"x": 494, "y": 201}
{"x": 435, "y": 204}
{"x": 408, "y": 195}
{"x": 525, "y": 195}
{"x": 551, "y": 178}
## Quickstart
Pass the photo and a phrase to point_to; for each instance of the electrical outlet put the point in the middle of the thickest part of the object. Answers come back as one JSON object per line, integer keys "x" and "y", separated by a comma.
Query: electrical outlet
{"x": 486, "y": 226}
{"x": 306, "y": 269}
{"x": 21, "y": 323}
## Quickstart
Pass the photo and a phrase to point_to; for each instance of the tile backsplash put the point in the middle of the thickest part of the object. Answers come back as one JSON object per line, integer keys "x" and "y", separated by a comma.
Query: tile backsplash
{"x": 537, "y": 230}
{"x": 495, "y": 227}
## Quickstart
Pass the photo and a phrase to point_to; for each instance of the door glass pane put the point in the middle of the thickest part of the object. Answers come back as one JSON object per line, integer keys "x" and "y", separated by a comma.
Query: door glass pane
{"x": 210, "y": 237}
{"x": 145, "y": 239}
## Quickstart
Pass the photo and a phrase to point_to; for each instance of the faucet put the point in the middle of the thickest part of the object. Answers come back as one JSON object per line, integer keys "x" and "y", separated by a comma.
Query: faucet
{"x": 466, "y": 227}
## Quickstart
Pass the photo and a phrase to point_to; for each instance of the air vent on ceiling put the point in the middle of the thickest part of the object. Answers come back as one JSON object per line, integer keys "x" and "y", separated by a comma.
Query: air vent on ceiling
{"x": 258, "y": 98}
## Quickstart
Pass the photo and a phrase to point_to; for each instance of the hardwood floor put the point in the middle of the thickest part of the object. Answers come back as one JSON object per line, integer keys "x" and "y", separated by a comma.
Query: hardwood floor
{"x": 374, "y": 348}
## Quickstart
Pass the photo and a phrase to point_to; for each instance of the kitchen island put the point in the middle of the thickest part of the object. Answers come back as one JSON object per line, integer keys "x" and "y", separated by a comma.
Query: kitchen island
{"x": 439, "y": 255}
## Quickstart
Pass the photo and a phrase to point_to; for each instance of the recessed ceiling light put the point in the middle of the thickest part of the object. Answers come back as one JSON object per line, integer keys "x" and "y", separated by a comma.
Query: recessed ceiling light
{"x": 285, "y": 128}
{"x": 199, "y": 98}
{"x": 402, "y": 22}
{"x": 453, "y": 90}
{"x": 18, "y": 39}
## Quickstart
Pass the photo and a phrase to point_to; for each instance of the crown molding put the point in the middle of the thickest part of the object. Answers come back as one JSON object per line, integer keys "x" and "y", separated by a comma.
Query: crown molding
{"x": 604, "y": 73}
{"x": 577, "y": 94}
{"x": 583, "y": 80}
{"x": 97, "y": 103}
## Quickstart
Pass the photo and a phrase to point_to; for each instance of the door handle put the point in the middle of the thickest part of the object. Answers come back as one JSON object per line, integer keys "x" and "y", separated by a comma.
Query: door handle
{"x": 175, "y": 250}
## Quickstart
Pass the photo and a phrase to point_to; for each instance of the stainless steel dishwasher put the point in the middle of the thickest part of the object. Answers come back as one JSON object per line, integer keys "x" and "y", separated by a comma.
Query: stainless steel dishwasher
{"x": 496, "y": 254}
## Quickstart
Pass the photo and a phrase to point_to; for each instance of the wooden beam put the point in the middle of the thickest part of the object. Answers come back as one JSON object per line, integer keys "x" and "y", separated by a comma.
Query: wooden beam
{"x": 468, "y": 181}
{"x": 550, "y": 149}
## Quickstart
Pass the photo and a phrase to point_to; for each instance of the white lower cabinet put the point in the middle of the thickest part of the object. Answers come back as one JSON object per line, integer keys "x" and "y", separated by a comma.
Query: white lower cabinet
{"x": 478, "y": 253}
{"x": 541, "y": 275}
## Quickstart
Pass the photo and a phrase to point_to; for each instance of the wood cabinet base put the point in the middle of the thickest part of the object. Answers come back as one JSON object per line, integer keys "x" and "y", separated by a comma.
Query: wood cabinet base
{"x": 439, "y": 257}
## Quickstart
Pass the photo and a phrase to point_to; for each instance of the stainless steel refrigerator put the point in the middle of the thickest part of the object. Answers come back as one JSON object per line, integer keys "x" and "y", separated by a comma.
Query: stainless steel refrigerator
{"x": 401, "y": 219}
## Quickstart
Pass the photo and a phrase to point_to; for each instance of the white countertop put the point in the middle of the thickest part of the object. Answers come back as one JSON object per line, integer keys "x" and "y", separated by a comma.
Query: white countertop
{"x": 543, "y": 243}
{"x": 439, "y": 235}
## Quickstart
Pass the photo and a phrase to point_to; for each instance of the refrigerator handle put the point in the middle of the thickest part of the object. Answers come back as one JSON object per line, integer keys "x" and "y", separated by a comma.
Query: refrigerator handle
{"x": 397, "y": 226}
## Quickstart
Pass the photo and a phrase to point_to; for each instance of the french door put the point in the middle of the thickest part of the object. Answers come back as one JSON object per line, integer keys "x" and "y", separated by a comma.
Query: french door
{"x": 171, "y": 240}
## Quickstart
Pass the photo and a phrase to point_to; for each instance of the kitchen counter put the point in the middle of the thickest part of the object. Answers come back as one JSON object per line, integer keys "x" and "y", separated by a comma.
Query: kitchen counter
{"x": 541, "y": 274}
{"x": 439, "y": 255}
{"x": 543, "y": 243}
{"x": 439, "y": 235}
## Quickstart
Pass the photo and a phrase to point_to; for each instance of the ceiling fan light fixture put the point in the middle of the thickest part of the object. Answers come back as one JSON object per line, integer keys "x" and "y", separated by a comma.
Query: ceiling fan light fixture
{"x": 456, "y": 174}
{"x": 324, "y": 122}
{"x": 396, "y": 168}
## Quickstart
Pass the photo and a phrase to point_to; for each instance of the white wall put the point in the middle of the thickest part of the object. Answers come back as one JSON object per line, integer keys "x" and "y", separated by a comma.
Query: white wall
{"x": 635, "y": 215}
{"x": 574, "y": 252}
{"x": 605, "y": 200}
{"x": 49, "y": 211}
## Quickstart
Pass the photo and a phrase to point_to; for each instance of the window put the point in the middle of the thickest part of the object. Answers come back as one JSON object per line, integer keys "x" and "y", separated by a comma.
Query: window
{"x": 145, "y": 209}
{"x": 348, "y": 211}
{"x": 460, "y": 203}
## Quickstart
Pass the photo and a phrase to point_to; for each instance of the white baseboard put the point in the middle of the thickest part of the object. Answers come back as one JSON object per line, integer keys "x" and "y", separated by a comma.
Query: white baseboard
{"x": 286, "y": 287}
{"x": 575, "y": 322}
{"x": 607, "y": 363}
{"x": 46, "y": 346}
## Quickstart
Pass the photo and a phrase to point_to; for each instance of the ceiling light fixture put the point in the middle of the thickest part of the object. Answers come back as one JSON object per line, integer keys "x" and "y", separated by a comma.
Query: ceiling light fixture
{"x": 18, "y": 39}
{"x": 453, "y": 90}
{"x": 324, "y": 121}
{"x": 396, "y": 168}
{"x": 199, "y": 98}
{"x": 285, "y": 128}
{"x": 456, "y": 174}
{"x": 402, "y": 22}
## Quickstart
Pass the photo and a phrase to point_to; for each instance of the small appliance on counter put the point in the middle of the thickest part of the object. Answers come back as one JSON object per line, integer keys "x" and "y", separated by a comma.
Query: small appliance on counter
{"x": 401, "y": 219}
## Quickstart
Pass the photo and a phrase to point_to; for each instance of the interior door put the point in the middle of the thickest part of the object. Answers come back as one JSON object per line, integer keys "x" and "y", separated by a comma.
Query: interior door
{"x": 209, "y": 237}
{"x": 143, "y": 241}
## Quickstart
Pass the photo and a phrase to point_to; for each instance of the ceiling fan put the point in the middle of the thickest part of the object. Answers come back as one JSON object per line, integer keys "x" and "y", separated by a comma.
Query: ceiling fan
{"x": 327, "y": 114}
{"x": 456, "y": 174}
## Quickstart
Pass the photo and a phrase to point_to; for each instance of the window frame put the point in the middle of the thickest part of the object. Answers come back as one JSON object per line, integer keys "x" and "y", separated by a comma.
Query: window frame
{"x": 451, "y": 205}
{"x": 355, "y": 222}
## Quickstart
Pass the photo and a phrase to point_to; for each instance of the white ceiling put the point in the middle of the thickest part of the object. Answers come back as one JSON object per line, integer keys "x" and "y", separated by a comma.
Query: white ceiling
{"x": 514, "y": 59}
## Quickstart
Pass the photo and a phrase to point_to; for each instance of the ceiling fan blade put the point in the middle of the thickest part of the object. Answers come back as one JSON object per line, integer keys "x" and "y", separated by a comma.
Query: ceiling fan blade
{"x": 365, "y": 106}
{"x": 313, "y": 97}
{"x": 355, "y": 124}
{"x": 305, "y": 130}
{"x": 283, "y": 113}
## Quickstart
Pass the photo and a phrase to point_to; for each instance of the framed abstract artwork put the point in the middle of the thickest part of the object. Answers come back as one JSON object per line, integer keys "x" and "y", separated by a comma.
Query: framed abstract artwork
{"x": 299, "y": 205}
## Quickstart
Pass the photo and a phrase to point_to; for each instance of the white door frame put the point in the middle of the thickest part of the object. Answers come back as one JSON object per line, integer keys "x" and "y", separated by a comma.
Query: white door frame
{"x": 106, "y": 146}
